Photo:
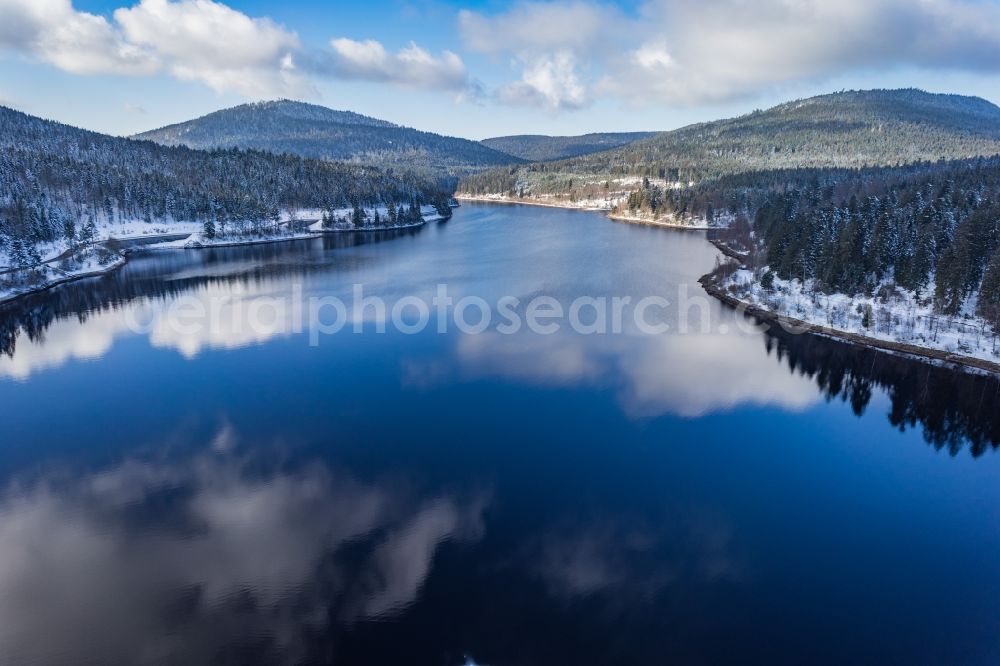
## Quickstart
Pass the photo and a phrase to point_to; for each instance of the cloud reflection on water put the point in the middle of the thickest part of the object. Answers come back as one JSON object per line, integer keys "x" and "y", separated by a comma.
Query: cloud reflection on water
{"x": 159, "y": 561}
{"x": 167, "y": 324}
{"x": 690, "y": 374}
{"x": 684, "y": 375}
{"x": 635, "y": 562}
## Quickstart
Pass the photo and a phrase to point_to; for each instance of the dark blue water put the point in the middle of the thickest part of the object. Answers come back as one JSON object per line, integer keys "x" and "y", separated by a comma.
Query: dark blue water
{"x": 218, "y": 493}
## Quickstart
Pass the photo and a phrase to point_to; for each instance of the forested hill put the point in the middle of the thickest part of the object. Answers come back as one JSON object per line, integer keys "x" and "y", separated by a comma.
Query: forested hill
{"x": 314, "y": 131}
{"x": 53, "y": 176}
{"x": 847, "y": 129}
{"x": 540, "y": 148}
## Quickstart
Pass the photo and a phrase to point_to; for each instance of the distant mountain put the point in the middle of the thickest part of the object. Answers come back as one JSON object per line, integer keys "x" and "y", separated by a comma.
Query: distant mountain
{"x": 846, "y": 129}
{"x": 540, "y": 148}
{"x": 314, "y": 131}
{"x": 54, "y": 177}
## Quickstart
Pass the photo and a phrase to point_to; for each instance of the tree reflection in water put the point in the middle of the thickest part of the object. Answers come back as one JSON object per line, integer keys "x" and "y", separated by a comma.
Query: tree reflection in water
{"x": 164, "y": 275}
{"x": 953, "y": 407}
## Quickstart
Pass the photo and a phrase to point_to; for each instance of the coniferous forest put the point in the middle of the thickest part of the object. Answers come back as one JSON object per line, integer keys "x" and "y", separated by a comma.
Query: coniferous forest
{"x": 316, "y": 132}
{"x": 852, "y": 129}
{"x": 930, "y": 229}
{"x": 56, "y": 181}
{"x": 857, "y": 192}
{"x": 935, "y": 232}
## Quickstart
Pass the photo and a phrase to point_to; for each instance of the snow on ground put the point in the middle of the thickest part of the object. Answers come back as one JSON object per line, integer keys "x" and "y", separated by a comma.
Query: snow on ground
{"x": 90, "y": 261}
{"x": 613, "y": 204}
{"x": 97, "y": 259}
{"x": 671, "y": 220}
{"x": 301, "y": 214}
{"x": 198, "y": 239}
{"x": 383, "y": 212}
{"x": 132, "y": 229}
{"x": 121, "y": 229}
{"x": 140, "y": 228}
{"x": 894, "y": 315}
{"x": 551, "y": 200}
{"x": 315, "y": 226}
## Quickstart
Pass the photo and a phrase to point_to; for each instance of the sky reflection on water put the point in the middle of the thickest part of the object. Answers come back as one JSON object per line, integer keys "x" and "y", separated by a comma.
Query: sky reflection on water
{"x": 243, "y": 496}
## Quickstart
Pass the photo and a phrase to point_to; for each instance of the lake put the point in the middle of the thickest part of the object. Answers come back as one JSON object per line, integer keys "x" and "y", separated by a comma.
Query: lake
{"x": 196, "y": 467}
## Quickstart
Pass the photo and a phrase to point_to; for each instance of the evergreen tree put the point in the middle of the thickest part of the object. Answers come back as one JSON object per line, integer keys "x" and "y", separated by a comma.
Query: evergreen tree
{"x": 23, "y": 254}
{"x": 69, "y": 231}
{"x": 767, "y": 281}
{"x": 867, "y": 316}
{"x": 989, "y": 294}
{"x": 89, "y": 232}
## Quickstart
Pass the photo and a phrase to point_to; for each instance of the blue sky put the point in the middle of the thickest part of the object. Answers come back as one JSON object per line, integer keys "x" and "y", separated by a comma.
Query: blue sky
{"x": 487, "y": 68}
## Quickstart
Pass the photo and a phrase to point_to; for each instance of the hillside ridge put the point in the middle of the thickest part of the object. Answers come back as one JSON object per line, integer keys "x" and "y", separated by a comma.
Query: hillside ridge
{"x": 314, "y": 131}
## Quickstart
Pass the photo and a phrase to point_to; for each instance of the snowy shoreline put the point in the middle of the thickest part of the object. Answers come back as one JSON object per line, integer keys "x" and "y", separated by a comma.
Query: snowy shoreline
{"x": 507, "y": 200}
{"x": 957, "y": 359}
{"x": 201, "y": 244}
{"x": 361, "y": 230}
{"x": 606, "y": 207}
{"x": 645, "y": 221}
{"x": 191, "y": 241}
{"x": 10, "y": 295}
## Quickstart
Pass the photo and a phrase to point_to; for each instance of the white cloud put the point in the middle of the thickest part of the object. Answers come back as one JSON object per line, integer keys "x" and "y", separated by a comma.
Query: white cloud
{"x": 679, "y": 52}
{"x": 701, "y": 52}
{"x": 202, "y": 40}
{"x": 195, "y": 40}
{"x": 78, "y": 42}
{"x": 411, "y": 66}
{"x": 538, "y": 27}
{"x": 567, "y": 53}
{"x": 549, "y": 82}
{"x": 548, "y": 41}
{"x": 213, "y": 44}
